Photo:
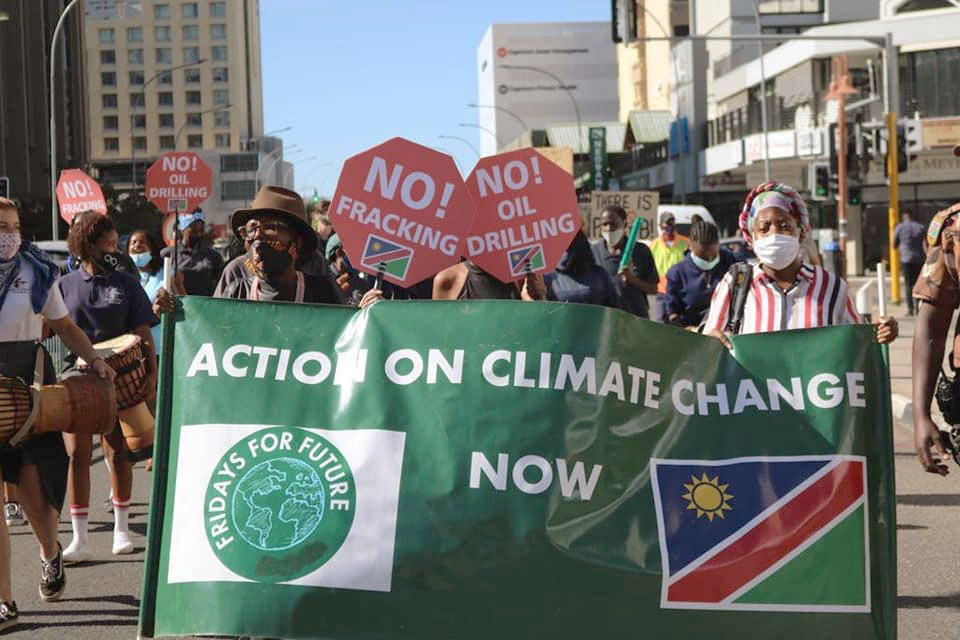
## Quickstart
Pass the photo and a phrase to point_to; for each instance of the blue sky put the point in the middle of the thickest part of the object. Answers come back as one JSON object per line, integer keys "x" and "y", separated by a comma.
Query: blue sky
{"x": 347, "y": 75}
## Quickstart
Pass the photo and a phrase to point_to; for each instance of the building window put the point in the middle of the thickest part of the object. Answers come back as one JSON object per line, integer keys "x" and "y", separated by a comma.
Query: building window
{"x": 223, "y": 140}
{"x": 108, "y": 79}
{"x": 161, "y": 34}
{"x": 110, "y": 122}
{"x": 108, "y": 56}
{"x": 134, "y": 34}
{"x": 106, "y": 36}
{"x": 218, "y": 53}
{"x": 221, "y": 118}
{"x": 218, "y": 9}
{"x": 238, "y": 189}
{"x": 164, "y": 56}
{"x": 191, "y": 32}
{"x": 135, "y": 56}
{"x": 189, "y": 10}
{"x": 218, "y": 32}
{"x": 165, "y": 121}
{"x": 136, "y": 77}
{"x": 109, "y": 101}
{"x": 140, "y": 143}
{"x": 165, "y": 78}
{"x": 930, "y": 82}
{"x": 220, "y": 74}
{"x": 167, "y": 142}
{"x": 161, "y": 11}
{"x": 221, "y": 96}
{"x": 111, "y": 144}
{"x": 194, "y": 120}
{"x": 193, "y": 97}
{"x": 238, "y": 162}
{"x": 165, "y": 99}
{"x": 790, "y": 6}
{"x": 191, "y": 75}
{"x": 191, "y": 54}
{"x": 139, "y": 121}
{"x": 195, "y": 141}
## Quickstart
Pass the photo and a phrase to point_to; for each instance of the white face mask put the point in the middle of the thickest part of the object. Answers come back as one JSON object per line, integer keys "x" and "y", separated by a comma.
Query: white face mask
{"x": 612, "y": 238}
{"x": 776, "y": 250}
{"x": 704, "y": 265}
{"x": 9, "y": 244}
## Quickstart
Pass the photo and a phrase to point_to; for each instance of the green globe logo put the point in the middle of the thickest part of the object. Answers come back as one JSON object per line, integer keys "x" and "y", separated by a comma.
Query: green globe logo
{"x": 279, "y": 504}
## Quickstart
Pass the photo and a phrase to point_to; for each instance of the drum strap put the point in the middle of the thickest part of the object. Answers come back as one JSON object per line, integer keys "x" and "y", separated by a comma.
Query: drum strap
{"x": 34, "y": 399}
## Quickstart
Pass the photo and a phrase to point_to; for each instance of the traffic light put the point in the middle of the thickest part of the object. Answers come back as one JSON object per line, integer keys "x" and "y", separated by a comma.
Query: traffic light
{"x": 820, "y": 181}
{"x": 316, "y": 197}
{"x": 855, "y": 197}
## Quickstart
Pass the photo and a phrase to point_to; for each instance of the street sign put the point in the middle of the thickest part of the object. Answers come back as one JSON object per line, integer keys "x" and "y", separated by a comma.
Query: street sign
{"x": 401, "y": 209}
{"x": 527, "y": 214}
{"x": 78, "y": 192}
{"x": 4, "y": 187}
{"x": 178, "y": 182}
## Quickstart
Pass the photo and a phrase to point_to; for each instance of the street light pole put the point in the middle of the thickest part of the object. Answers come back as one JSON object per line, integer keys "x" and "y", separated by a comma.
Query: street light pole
{"x": 576, "y": 107}
{"x": 176, "y": 138}
{"x": 53, "y": 121}
{"x": 133, "y": 113}
{"x": 500, "y": 144}
{"x": 499, "y": 108}
{"x": 464, "y": 141}
{"x": 289, "y": 170}
{"x": 267, "y": 157}
{"x": 763, "y": 100}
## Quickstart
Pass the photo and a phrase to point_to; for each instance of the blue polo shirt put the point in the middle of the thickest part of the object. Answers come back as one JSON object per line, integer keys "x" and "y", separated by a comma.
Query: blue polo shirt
{"x": 106, "y": 305}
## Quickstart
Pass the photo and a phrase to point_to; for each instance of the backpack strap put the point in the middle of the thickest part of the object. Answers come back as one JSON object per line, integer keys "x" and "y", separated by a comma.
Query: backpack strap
{"x": 742, "y": 277}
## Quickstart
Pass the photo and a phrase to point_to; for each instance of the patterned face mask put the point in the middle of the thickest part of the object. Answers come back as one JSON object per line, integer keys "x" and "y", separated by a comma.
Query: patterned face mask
{"x": 9, "y": 244}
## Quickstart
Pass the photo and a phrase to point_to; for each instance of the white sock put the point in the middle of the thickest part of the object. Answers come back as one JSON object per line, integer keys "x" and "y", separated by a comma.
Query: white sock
{"x": 121, "y": 510}
{"x": 78, "y": 519}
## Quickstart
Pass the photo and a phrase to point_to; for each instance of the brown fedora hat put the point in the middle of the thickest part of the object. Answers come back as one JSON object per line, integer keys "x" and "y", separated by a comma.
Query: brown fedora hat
{"x": 283, "y": 203}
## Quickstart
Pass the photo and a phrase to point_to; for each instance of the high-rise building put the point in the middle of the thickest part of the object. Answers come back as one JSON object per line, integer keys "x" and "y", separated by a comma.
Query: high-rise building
{"x": 168, "y": 75}
{"x": 534, "y": 75}
{"x": 26, "y": 28}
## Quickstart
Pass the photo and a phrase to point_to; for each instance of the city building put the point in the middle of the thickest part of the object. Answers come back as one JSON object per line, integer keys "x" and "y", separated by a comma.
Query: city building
{"x": 534, "y": 75}
{"x": 26, "y": 29}
{"x": 167, "y": 75}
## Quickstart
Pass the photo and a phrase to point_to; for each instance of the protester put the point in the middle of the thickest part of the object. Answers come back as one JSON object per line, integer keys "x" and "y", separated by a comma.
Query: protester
{"x": 691, "y": 282}
{"x": 104, "y": 303}
{"x": 276, "y": 234}
{"x": 579, "y": 279}
{"x": 938, "y": 295}
{"x": 199, "y": 262}
{"x": 668, "y": 248}
{"x": 322, "y": 224}
{"x": 633, "y": 284}
{"x": 29, "y": 295}
{"x": 784, "y": 293}
{"x": 143, "y": 250}
{"x": 120, "y": 260}
{"x": 908, "y": 238}
{"x": 467, "y": 281}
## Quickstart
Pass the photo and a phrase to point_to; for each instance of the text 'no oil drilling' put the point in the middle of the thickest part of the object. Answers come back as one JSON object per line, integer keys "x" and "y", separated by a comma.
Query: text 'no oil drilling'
{"x": 178, "y": 182}
{"x": 527, "y": 214}
{"x": 401, "y": 209}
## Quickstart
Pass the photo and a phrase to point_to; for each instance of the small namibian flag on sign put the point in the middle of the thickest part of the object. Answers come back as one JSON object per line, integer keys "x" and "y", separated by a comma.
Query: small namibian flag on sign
{"x": 764, "y": 533}
{"x": 526, "y": 260}
{"x": 393, "y": 258}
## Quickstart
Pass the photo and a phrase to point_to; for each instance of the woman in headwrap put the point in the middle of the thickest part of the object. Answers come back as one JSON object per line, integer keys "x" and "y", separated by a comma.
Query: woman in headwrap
{"x": 938, "y": 294}
{"x": 784, "y": 292}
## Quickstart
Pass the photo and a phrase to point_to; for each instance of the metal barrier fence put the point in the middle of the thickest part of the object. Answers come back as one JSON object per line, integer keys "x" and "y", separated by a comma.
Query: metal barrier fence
{"x": 57, "y": 351}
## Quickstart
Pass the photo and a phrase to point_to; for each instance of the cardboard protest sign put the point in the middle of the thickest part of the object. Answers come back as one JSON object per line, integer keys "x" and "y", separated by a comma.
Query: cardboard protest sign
{"x": 78, "y": 192}
{"x": 401, "y": 209}
{"x": 178, "y": 182}
{"x": 642, "y": 203}
{"x": 526, "y": 214}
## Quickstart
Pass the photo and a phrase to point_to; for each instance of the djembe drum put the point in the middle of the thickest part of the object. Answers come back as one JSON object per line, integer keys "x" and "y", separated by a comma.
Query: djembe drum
{"x": 81, "y": 404}
{"x": 125, "y": 355}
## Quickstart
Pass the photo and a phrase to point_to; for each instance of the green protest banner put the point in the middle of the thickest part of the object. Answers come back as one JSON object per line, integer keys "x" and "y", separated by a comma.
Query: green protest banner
{"x": 508, "y": 469}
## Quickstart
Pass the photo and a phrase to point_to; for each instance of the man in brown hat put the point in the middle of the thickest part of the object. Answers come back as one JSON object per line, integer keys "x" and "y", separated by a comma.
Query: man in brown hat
{"x": 276, "y": 233}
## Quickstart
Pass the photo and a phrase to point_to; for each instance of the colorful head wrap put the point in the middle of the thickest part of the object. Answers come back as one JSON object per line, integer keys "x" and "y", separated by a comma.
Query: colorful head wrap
{"x": 772, "y": 194}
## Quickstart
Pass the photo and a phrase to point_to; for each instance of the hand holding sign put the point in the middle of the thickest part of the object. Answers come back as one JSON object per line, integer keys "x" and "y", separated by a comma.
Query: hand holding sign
{"x": 527, "y": 214}
{"x": 401, "y": 210}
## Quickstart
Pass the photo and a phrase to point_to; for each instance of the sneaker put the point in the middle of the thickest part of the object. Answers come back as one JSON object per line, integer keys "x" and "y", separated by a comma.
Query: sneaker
{"x": 122, "y": 544}
{"x": 9, "y": 615}
{"x": 13, "y": 514}
{"x": 76, "y": 552}
{"x": 52, "y": 578}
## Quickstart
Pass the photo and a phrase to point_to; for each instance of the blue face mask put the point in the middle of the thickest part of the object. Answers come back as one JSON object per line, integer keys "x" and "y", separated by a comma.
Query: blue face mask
{"x": 704, "y": 265}
{"x": 141, "y": 259}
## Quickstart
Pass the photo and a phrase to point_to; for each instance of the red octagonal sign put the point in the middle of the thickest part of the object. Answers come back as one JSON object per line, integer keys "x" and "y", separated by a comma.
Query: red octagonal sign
{"x": 527, "y": 214}
{"x": 401, "y": 209}
{"x": 178, "y": 182}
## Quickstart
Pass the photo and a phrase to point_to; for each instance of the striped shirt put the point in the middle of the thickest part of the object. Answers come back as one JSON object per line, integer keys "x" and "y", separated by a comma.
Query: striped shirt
{"x": 817, "y": 298}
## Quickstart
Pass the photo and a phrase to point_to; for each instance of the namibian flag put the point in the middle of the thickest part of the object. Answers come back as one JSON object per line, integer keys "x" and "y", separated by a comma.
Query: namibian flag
{"x": 526, "y": 260}
{"x": 763, "y": 533}
{"x": 393, "y": 258}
